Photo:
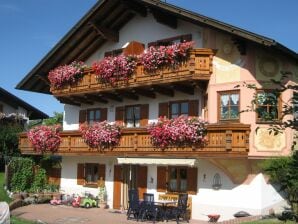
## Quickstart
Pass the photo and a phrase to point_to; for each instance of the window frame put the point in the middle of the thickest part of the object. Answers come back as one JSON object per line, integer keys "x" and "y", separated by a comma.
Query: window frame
{"x": 170, "y": 40}
{"x": 134, "y": 121}
{"x": 178, "y": 190}
{"x": 179, "y": 102}
{"x": 278, "y": 106}
{"x": 94, "y": 110}
{"x": 228, "y": 92}
{"x": 91, "y": 183}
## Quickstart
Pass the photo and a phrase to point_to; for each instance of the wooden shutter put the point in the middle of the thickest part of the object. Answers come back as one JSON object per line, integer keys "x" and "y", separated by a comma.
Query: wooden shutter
{"x": 80, "y": 174}
{"x": 142, "y": 180}
{"x": 192, "y": 180}
{"x": 117, "y": 187}
{"x": 161, "y": 179}
{"x": 144, "y": 114}
{"x": 82, "y": 116}
{"x": 119, "y": 116}
{"x": 102, "y": 171}
{"x": 163, "y": 110}
{"x": 193, "y": 108}
{"x": 103, "y": 114}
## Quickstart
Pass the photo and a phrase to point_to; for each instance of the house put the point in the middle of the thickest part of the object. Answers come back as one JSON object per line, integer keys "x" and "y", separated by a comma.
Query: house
{"x": 223, "y": 176}
{"x": 13, "y": 109}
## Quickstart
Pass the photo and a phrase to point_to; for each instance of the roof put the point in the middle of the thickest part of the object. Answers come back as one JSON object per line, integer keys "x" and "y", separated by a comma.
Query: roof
{"x": 103, "y": 22}
{"x": 16, "y": 102}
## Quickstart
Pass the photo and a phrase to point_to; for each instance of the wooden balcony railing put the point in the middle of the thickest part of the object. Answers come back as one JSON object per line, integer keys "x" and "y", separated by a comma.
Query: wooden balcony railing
{"x": 198, "y": 67}
{"x": 222, "y": 139}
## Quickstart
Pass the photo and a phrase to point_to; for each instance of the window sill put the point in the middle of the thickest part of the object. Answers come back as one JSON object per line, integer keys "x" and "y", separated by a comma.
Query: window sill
{"x": 91, "y": 185}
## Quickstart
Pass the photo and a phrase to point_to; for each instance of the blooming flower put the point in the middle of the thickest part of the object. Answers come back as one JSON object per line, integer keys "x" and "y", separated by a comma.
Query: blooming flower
{"x": 66, "y": 74}
{"x": 178, "y": 131}
{"x": 113, "y": 69}
{"x": 45, "y": 138}
{"x": 101, "y": 134}
{"x": 155, "y": 58}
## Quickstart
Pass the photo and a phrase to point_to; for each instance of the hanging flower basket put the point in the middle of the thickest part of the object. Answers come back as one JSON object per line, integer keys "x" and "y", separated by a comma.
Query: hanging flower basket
{"x": 113, "y": 69}
{"x": 180, "y": 131}
{"x": 155, "y": 58}
{"x": 101, "y": 134}
{"x": 66, "y": 74}
{"x": 45, "y": 138}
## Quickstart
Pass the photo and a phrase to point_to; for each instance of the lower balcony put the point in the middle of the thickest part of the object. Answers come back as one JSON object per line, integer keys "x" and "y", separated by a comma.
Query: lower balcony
{"x": 227, "y": 139}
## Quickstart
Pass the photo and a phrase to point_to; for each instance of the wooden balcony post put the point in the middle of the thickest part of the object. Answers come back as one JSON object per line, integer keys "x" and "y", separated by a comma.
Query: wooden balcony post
{"x": 135, "y": 141}
{"x": 69, "y": 143}
{"x": 229, "y": 140}
{"x": 247, "y": 141}
{"x": 192, "y": 63}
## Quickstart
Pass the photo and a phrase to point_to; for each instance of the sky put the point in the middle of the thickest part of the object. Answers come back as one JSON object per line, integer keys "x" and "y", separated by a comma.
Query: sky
{"x": 31, "y": 28}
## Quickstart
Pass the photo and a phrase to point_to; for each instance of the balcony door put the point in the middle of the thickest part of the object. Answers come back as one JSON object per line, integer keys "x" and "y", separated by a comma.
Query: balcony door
{"x": 126, "y": 177}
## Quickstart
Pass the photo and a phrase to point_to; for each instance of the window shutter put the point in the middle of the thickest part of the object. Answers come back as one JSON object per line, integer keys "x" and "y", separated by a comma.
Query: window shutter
{"x": 163, "y": 110}
{"x": 80, "y": 174}
{"x": 142, "y": 180}
{"x": 193, "y": 108}
{"x": 144, "y": 114}
{"x": 119, "y": 116}
{"x": 103, "y": 114}
{"x": 192, "y": 179}
{"x": 161, "y": 179}
{"x": 82, "y": 116}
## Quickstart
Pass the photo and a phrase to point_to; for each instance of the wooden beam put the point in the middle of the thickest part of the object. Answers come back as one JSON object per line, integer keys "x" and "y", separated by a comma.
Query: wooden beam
{"x": 112, "y": 96}
{"x": 184, "y": 89}
{"x": 163, "y": 90}
{"x": 135, "y": 7}
{"x": 96, "y": 98}
{"x": 165, "y": 18}
{"x": 105, "y": 32}
{"x": 145, "y": 92}
{"x": 129, "y": 95}
{"x": 68, "y": 101}
{"x": 82, "y": 99}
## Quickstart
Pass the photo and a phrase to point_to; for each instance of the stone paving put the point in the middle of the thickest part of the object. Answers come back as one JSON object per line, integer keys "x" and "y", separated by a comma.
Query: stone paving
{"x": 61, "y": 214}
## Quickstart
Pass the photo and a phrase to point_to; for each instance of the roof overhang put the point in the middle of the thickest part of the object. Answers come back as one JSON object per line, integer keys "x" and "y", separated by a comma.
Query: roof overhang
{"x": 103, "y": 22}
{"x": 157, "y": 161}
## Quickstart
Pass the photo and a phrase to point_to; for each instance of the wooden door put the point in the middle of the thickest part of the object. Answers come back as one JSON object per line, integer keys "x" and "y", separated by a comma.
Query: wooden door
{"x": 142, "y": 180}
{"x": 117, "y": 187}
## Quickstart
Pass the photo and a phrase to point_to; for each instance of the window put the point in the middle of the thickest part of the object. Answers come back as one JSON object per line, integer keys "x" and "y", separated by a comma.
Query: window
{"x": 93, "y": 115}
{"x": 179, "y": 108}
{"x": 177, "y": 179}
{"x": 295, "y": 105}
{"x": 267, "y": 106}
{"x": 171, "y": 40}
{"x": 132, "y": 116}
{"x": 91, "y": 173}
{"x": 229, "y": 105}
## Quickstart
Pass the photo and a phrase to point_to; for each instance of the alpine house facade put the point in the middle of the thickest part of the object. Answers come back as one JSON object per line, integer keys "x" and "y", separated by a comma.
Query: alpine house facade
{"x": 222, "y": 173}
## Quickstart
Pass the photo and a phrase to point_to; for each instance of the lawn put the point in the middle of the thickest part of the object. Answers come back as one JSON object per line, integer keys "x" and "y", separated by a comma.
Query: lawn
{"x": 15, "y": 220}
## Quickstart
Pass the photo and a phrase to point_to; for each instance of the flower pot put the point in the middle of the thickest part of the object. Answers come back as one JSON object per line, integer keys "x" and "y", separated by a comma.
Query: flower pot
{"x": 102, "y": 205}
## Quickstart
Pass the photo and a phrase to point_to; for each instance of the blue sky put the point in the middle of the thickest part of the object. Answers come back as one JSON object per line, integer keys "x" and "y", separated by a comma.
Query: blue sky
{"x": 30, "y": 28}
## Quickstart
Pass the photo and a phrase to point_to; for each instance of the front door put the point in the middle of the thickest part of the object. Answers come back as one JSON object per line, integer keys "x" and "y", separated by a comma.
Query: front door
{"x": 128, "y": 176}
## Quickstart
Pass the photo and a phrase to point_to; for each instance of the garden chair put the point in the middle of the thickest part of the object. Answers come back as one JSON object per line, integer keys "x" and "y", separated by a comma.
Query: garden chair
{"x": 180, "y": 211}
{"x": 134, "y": 203}
{"x": 148, "y": 209}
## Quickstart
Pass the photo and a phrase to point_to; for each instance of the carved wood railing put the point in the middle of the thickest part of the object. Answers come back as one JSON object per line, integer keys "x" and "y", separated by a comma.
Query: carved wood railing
{"x": 198, "y": 67}
{"x": 222, "y": 139}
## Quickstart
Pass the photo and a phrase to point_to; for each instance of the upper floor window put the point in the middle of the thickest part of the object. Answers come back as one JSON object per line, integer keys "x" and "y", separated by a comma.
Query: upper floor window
{"x": 229, "y": 106}
{"x": 267, "y": 106}
{"x": 132, "y": 116}
{"x": 93, "y": 115}
{"x": 171, "y": 40}
{"x": 177, "y": 179}
{"x": 179, "y": 108}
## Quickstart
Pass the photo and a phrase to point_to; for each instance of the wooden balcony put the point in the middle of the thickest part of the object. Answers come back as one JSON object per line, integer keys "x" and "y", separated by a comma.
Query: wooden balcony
{"x": 197, "y": 68}
{"x": 223, "y": 140}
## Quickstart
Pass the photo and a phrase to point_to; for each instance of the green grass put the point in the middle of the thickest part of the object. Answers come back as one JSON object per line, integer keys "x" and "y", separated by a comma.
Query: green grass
{"x": 3, "y": 195}
{"x": 270, "y": 221}
{"x": 16, "y": 220}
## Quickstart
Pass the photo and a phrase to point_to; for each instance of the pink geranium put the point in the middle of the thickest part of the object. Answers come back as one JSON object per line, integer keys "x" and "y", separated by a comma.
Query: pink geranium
{"x": 101, "y": 134}
{"x": 178, "y": 131}
{"x": 66, "y": 74}
{"x": 155, "y": 58}
{"x": 45, "y": 138}
{"x": 113, "y": 69}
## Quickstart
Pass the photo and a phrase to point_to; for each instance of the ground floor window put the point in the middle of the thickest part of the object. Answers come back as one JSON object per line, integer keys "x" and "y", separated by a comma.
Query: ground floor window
{"x": 91, "y": 173}
{"x": 177, "y": 179}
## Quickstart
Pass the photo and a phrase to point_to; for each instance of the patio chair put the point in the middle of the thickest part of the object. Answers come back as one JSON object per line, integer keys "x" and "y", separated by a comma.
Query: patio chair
{"x": 180, "y": 211}
{"x": 148, "y": 209}
{"x": 134, "y": 204}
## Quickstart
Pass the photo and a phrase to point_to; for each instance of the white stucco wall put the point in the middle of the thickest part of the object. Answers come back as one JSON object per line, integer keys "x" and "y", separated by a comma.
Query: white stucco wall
{"x": 145, "y": 30}
{"x": 71, "y": 113}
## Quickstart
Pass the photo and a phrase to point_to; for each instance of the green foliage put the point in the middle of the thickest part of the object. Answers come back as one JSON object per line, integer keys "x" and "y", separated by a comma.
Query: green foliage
{"x": 3, "y": 194}
{"x": 17, "y": 220}
{"x": 56, "y": 119}
{"x": 9, "y": 139}
{"x": 22, "y": 169}
{"x": 40, "y": 180}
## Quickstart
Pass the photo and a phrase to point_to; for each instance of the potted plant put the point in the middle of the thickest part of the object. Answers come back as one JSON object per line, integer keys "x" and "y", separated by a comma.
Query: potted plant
{"x": 102, "y": 194}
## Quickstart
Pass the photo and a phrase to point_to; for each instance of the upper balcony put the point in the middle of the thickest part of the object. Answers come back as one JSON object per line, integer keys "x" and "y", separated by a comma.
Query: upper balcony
{"x": 223, "y": 140}
{"x": 183, "y": 78}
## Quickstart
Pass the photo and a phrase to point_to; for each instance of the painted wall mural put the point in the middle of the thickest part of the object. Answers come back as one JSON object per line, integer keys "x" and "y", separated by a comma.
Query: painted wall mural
{"x": 264, "y": 141}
